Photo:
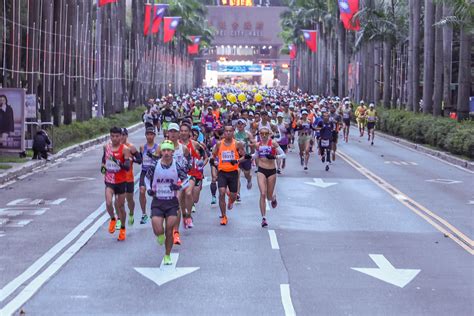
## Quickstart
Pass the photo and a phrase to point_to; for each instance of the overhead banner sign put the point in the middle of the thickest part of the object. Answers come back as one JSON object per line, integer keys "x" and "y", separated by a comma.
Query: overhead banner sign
{"x": 12, "y": 120}
{"x": 240, "y": 68}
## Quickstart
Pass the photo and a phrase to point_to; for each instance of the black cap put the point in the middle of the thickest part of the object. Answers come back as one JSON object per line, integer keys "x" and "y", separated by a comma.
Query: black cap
{"x": 124, "y": 131}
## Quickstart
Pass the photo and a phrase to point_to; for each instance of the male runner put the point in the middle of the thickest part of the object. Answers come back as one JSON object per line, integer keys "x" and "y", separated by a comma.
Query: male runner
{"x": 115, "y": 163}
{"x": 245, "y": 166}
{"x": 371, "y": 120}
{"x": 147, "y": 152}
{"x": 229, "y": 153}
{"x": 163, "y": 185}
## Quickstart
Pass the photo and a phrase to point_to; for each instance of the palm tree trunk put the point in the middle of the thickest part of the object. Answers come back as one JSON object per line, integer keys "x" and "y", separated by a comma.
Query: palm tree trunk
{"x": 428, "y": 52}
{"x": 387, "y": 59}
{"x": 415, "y": 63}
{"x": 376, "y": 76}
{"x": 438, "y": 64}
{"x": 341, "y": 39}
{"x": 409, "y": 83}
{"x": 464, "y": 79}
{"x": 447, "y": 61}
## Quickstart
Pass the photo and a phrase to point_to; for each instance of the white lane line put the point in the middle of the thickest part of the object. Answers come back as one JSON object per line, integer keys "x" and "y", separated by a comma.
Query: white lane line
{"x": 44, "y": 276}
{"x": 286, "y": 300}
{"x": 57, "y": 202}
{"x": 13, "y": 285}
{"x": 273, "y": 239}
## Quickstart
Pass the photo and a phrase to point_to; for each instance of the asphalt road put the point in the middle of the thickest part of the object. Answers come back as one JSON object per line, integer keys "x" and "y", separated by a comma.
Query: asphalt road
{"x": 382, "y": 233}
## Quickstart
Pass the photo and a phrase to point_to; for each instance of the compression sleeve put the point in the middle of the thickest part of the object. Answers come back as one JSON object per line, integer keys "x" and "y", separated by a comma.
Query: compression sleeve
{"x": 126, "y": 165}
{"x": 137, "y": 157}
{"x": 280, "y": 153}
{"x": 103, "y": 157}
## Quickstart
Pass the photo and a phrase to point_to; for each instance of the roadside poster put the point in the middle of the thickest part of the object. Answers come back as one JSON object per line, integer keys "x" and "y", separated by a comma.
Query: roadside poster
{"x": 31, "y": 106}
{"x": 12, "y": 120}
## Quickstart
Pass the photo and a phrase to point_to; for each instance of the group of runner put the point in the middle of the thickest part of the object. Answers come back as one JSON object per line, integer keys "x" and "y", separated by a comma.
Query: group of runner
{"x": 233, "y": 138}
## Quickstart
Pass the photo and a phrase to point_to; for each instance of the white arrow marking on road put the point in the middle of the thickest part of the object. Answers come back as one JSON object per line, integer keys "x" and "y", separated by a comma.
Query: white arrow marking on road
{"x": 164, "y": 274}
{"x": 318, "y": 182}
{"x": 388, "y": 273}
{"x": 56, "y": 202}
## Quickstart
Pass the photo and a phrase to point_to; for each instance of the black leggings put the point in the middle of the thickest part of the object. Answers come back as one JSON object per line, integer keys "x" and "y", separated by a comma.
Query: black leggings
{"x": 267, "y": 172}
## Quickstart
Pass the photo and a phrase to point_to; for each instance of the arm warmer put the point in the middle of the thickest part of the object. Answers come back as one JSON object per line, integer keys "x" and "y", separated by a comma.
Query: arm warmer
{"x": 280, "y": 153}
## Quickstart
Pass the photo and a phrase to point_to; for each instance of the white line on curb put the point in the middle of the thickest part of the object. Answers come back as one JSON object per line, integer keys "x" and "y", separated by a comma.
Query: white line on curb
{"x": 286, "y": 300}
{"x": 273, "y": 239}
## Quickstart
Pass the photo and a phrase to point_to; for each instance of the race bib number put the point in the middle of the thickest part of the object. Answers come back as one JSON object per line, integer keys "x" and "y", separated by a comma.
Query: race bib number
{"x": 228, "y": 155}
{"x": 164, "y": 192}
{"x": 324, "y": 142}
{"x": 111, "y": 166}
{"x": 209, "y": 124}
{"x": 371, "y": 118}
{"x": 168, "y": 118}
{"x": 345, "y": 115}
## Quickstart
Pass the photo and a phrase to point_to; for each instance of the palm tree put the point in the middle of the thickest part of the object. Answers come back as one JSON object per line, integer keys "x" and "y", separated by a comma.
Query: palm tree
{"x": 428, "y": 51}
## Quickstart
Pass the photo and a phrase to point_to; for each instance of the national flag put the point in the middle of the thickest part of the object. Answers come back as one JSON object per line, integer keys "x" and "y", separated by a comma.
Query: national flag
{"x": 159, "y": 13}
{"x": 194, "y": 47}
{"x": 292, "y": 48}
{"x": 104, "y": 2}
{"x": 171, "y": 23}
{"x": 310, "y": 38}
{"x": 147, "y": 23}
{"x": 347, "y": 9}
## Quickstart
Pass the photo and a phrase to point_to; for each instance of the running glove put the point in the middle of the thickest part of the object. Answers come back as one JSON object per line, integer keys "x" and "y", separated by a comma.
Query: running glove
{"x": 248, "y": 156}
{"x": 150, "y": 192}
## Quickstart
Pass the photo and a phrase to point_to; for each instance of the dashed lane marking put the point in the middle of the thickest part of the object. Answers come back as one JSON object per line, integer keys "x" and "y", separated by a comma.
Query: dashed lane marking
{"x": 273, "y": 240}
{"x": 286, "y": 300}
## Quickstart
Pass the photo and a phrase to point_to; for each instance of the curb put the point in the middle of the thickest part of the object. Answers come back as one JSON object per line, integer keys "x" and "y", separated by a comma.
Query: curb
{"x": 432, "y": 152}
{"x": 31, "y": 165}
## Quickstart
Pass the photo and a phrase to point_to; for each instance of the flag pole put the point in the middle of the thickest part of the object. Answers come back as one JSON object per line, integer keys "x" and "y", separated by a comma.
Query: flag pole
{"x": 98, "y": 57}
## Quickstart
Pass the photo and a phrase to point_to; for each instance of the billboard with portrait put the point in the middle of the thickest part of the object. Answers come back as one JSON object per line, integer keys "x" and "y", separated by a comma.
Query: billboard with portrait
{"x": 12, "y": 120}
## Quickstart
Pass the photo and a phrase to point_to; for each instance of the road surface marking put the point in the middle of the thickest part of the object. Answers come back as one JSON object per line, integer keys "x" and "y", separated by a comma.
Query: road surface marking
{"x": 56, "y": 202}
{"x": 286, "y": 300}
{"x": 273, "y": 239}
{"x": 18, "y": 224}
{"x": 318, "y": 182}
{"x": 436, "y": 221}
{"x": 388, "y": 273}
{"x": 433, "y": 157}
{"x": 4, "y": 212}
{"x": 16, "y": 202}
{"x": 76, "y": 179}
{"x": 444, "y": 181}
{"x": 165, "y": 274}
{"x": 44, "y": 276}
{"x": 13, "y": 285}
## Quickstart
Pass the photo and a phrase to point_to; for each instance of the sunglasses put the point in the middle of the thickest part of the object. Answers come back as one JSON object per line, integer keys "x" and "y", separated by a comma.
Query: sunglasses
{"x": 264, "y": 133}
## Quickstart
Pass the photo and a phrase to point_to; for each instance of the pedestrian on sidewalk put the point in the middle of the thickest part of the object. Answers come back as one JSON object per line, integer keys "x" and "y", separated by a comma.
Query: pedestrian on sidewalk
{"x": 41, "y": 143}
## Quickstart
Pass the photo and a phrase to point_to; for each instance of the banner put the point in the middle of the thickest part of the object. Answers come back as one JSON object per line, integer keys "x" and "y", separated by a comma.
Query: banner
{"x": 104, "y": 2}
{"x": 12, "y": 120}
{"x": 30, "y": 106}
{"x": 310, "y": 38}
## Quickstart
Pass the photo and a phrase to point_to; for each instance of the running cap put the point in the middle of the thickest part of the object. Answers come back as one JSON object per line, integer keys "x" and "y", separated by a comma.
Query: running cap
{"x": 150, "y": 130}
{"x": 173, "y": 127}
{"x": 124, "y": 131}
{"x": 167, "y": 145}
{"x": 241, "y": 121}
{"x": 280, "y": 114}
{"x": 371, "y": 105}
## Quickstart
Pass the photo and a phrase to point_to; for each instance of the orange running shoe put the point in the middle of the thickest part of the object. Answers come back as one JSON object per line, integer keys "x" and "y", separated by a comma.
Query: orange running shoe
{"x": 176, "y": 239}
{"x": 121, "y": 235}
{"x": 223, "y": 220}
{"x": 112, "y": 226}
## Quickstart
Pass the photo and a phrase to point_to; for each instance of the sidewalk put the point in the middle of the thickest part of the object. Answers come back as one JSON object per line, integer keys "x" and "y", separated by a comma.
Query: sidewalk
{"x": 20, "y": 169}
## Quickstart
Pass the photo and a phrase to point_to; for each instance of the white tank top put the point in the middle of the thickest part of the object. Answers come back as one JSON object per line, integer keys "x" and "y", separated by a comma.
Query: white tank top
{"x": 178, "y": 155}
{"x": 268, "y": 125}
{"x": 162, "y": 180}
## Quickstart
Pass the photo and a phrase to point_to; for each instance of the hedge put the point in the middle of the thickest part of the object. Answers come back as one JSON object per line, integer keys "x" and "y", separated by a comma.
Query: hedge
{"x": 76, "y": 132}
{"x": 440, "y": 132}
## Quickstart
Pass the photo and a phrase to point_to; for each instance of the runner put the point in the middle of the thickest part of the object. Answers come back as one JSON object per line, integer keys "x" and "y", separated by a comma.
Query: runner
{"x": 115, "y": 163}
{"x": 228, "y": 153}
{"x": 213, "y": 165}
{"x": 304, "y": 136}
{"x": 361, "y": 117}
{"x": 326, "y": 128}
{"x": 136, "y": 157}
{"x": 165, "y": 180}
{"x": 245, "y": 166}
{"x": 283, "y": 140}
{"x": 267, "y": 151}
{"x": 371, "y": 120}
{"x": 199, "y": 159}
{"x": 336, "y": 119}
{"x": 168, "y": 116}
{"x": 147, "y": 152}
{"x": 346, "y": 118}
